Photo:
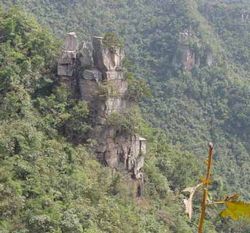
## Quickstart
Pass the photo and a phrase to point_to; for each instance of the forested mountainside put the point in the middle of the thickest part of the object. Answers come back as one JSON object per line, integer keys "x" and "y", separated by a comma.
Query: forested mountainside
{"x": 49, "y": 184}
{"x": 194, "y": 57}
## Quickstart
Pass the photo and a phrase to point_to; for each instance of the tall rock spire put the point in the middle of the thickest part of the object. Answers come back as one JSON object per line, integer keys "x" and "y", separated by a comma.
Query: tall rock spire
{"x": 96, "y": 72}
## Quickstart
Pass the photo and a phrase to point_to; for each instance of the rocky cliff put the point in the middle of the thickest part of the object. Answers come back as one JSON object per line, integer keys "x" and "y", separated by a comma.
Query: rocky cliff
{"x": 94, "y": 73}
{"x": 191, "y": 53}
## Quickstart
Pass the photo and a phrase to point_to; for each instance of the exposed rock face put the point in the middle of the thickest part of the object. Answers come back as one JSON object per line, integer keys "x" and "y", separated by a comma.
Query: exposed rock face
{"x": 122, "y": 151}
{"x": 85, "y": 55}
{"x": 96, "y": 72}
{"x": 209, "y": 58}
{"x": 186, "y": 57}
{"x": 244, "y": 16}
{"x": 68, "y": 56}
{"x": 89, "y": 84}
{"x": 107, "y": 59}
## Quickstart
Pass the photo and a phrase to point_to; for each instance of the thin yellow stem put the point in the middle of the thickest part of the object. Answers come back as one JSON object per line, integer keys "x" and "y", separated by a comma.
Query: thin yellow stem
{"x": 205, "y": 190}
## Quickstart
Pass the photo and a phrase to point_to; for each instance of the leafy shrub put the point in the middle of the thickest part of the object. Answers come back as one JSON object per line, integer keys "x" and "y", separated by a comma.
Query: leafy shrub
{"x": 112, "y": 41}
{"x": 137, "y": 88}
{"x": 106, "y": 90}
{"x": 126, "y": 122}
{"x": 41, "y": 224}
{"x": 70, "y": 222}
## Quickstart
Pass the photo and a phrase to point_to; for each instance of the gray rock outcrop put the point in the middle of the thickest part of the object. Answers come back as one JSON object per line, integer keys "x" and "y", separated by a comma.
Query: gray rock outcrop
{"x": 67, "y": 59}
{"x": 85, "y": 55}
{"x": 96, "y": 72}
{"x": 107, "y": 59}
{"x": 187, "y": 57}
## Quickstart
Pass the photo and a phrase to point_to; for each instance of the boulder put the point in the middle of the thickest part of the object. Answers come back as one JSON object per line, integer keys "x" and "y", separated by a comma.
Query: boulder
{"x": 92, "y": 74}
{"x": 65, "y": 70}
{"x": 107, "y": 59}
{"x": 110, "y": 155}
{"x": 114, "y": 75}
{"x": 143, "y": 145}
{"x": 70, "y": 42}
{"x": 121, "y": 150}
{"x": 67, "y": 59}
{"x": 85, "y": 56}
{"x": 88, "y": 84}
{"x": 139, "y": 163}
{"x": 114, "y": 104}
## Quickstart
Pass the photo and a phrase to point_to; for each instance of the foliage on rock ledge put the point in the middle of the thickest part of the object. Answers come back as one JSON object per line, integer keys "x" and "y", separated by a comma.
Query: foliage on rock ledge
{"x": 111, "y": 41}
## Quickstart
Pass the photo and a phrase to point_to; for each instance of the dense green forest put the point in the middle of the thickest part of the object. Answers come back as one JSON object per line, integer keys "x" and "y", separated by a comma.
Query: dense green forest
{"x": 205, "y": 103}
{"x": 49, "y": 185}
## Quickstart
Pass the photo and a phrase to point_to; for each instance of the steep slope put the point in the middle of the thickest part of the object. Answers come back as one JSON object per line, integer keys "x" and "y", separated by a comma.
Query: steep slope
{"x": 48, "y": 184}
{"x": 194, "y": 60}
{"x": 193, "y": 54}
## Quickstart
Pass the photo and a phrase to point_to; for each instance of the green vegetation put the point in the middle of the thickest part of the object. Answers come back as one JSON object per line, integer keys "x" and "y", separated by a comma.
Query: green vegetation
{"x": 107, "y": 90}
{"x": 111, "y": 41}
{"x": 137, "y": 88}
{"x": 234, "y": 208}
{"x": 207, "y": 103}
{"x": 49, "y": 183}
{"x": 129, "y": 121}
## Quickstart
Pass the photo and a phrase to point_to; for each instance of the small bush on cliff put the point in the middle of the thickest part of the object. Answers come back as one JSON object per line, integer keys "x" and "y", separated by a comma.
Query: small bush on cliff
{"x": 129, "y": 122}
{"x": 111, "y": 41}
{"x": 137, "y": 88}
{"x": 106, "y": 89}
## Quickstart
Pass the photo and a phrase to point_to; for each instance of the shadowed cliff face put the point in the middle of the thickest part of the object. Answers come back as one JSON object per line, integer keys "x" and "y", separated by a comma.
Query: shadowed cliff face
{"x": 94, "y": 73}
